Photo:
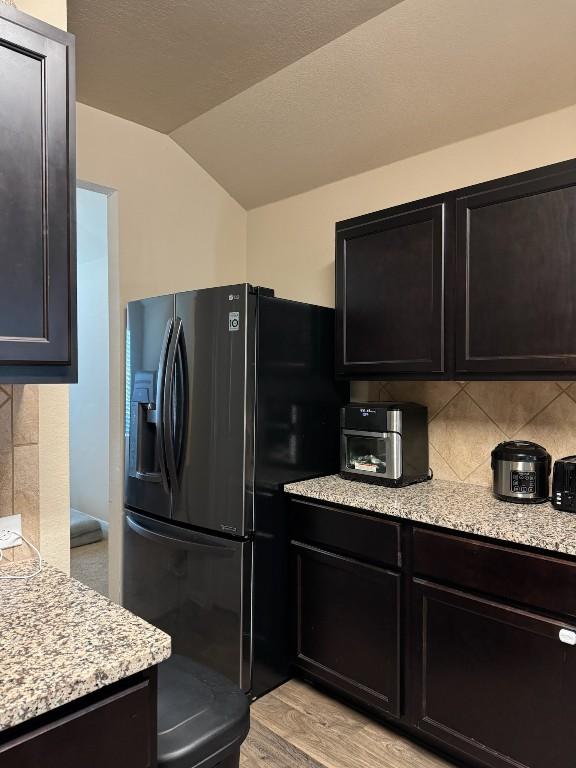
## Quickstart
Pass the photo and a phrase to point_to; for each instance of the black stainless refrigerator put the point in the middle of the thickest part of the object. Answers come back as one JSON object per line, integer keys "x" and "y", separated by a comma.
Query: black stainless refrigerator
{"x": 230, "y": 393}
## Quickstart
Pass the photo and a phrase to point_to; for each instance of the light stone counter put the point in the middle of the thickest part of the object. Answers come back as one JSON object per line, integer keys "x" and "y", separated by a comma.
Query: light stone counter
{"x": 452, "y": 505}
{"x": 59, "y": 640}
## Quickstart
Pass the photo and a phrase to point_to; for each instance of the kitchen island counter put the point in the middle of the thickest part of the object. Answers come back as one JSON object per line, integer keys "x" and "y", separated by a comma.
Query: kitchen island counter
{"x": 59, "y": 641}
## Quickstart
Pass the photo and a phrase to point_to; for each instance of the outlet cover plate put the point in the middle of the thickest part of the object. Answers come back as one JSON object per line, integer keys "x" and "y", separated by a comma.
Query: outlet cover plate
{"x": 11, "y": 523}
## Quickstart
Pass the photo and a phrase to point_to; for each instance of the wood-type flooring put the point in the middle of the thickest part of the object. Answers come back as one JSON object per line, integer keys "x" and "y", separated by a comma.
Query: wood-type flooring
{"x": 297, "y": 726}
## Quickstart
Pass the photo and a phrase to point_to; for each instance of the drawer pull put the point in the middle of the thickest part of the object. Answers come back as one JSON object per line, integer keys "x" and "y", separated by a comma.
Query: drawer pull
{"x": 567, "y": 636}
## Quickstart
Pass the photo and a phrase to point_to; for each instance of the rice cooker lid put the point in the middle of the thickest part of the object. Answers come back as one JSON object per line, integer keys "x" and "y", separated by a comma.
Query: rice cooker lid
{"x": 520, "y": 450}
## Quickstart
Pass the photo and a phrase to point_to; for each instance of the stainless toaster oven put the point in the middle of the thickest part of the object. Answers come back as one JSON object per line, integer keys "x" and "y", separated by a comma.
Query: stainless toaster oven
{"x": 384, "y": 443}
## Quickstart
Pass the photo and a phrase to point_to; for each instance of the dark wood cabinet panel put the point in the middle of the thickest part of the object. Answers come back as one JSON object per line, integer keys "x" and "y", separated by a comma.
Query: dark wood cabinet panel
{"x": 537, "y": 580}
{"x": 493, "y": 681}
{"x": 348, "y": 626}
{"x": 474, "y": 283}
{"x": 113, "y": 727}
{"x": 368, "y": 538}
{"x": 516, "y": 274}
{"x": 37, "y": 201}
{"x": 390, "y": 291}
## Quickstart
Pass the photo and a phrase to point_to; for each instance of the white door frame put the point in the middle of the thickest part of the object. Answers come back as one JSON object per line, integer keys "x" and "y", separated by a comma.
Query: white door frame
{"x": 115, "y": 394}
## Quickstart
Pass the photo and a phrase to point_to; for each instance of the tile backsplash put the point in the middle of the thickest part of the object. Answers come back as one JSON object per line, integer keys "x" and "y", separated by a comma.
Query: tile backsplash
{"x": 467, "y": 419}
{"x": 19, "y": 472}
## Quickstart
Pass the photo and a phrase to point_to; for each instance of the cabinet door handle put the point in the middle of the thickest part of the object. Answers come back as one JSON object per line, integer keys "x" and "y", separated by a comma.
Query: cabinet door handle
{"x": 567, "y": 636}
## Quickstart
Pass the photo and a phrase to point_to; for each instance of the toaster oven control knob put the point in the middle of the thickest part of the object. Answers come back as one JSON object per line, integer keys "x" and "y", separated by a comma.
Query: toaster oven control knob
{"x": 567, "y": 636}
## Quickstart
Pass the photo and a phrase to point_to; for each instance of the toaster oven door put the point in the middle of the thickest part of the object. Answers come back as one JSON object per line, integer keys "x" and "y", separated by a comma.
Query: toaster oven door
{"x": 371, "y": 453}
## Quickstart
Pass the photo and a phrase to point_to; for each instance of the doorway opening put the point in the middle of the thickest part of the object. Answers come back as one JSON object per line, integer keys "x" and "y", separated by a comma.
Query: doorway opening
{"x": 90, "y": 398}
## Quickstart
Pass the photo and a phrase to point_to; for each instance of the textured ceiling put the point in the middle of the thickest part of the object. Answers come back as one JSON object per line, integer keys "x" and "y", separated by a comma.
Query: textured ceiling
{"x": 421, "y": 75}
{"x": 163, "y": 62}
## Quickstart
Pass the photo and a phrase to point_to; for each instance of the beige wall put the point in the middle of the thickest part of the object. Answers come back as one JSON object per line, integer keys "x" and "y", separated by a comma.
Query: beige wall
{"x": 178, "y": 228}
{"x": 51, "y": 474}
{"x": 291, "y": 242}
{"x": 173, "y": 228}
{"x": 51, "y": 11}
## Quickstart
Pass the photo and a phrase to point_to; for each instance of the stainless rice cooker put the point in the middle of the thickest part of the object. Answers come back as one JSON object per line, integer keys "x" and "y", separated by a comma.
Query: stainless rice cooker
{"x": 521, "y": 471}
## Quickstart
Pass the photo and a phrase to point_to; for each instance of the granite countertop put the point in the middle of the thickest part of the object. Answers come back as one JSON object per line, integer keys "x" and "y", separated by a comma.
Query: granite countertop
{"x": 453, "y": 505}
{"x": 59, "y": 640}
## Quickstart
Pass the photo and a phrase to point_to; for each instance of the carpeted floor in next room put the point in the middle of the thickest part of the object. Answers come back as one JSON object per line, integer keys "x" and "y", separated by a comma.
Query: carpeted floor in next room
{"x": 89, "y": 564}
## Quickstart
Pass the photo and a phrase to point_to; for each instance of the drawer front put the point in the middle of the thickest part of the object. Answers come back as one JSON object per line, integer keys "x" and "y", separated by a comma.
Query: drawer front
{"x": 531, "y": 579}
{"x": 366, "y": 538}
{"x": 117, "y": 731}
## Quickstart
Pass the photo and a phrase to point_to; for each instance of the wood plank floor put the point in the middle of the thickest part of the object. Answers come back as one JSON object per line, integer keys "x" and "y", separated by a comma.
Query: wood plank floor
{"x": 297, "y": 726}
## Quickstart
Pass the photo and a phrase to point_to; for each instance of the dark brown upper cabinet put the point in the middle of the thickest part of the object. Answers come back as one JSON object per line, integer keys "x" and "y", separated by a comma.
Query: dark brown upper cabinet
{"x": 390, "y": 271}
{"x": 37, "y": 201}
{"x": 516, "y": 274}
{"x": 476, "y": 283}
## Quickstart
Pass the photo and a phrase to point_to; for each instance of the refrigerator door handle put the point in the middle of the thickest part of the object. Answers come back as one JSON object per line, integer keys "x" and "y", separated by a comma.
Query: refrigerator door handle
{"x": 180, "y": 401}
{"x": 167, "y": 415}
{"x": 188, "y": 539}
{"x": 160, "y": 405}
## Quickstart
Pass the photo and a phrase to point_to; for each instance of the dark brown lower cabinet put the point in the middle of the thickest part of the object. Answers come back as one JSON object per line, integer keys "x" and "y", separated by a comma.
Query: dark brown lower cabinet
{"x": 348, "y": 626}
{"x": 114, "y": 727}
{"x": 467, "y": 645}
{"x": 494, "y": 681}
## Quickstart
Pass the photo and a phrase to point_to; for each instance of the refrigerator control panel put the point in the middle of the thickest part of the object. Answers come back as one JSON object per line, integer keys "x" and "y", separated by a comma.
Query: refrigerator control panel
{"x": 233, "y": 321}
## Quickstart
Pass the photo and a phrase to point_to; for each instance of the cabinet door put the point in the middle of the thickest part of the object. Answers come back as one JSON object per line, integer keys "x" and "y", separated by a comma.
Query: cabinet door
{"x": 390, "y": 292}
{"x": 103, "y": 729}
{"x": 494, "y": 682}
{"x": 348, "y": 626}
{"x": 516, "y": 274}
{"x": 37, "y": 194}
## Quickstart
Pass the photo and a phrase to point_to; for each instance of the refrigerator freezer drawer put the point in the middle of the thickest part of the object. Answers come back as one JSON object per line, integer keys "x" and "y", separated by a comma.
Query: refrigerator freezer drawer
{"x": 196, "y": 587}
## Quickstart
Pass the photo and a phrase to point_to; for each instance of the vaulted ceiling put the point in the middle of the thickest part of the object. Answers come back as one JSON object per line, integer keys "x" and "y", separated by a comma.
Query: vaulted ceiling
{"x": 276, "y": 97}
{"x": 163, "y": 62}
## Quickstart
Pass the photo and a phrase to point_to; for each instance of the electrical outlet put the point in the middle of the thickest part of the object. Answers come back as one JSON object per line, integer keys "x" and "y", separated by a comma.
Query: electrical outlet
{"x": 10, "y": 530}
